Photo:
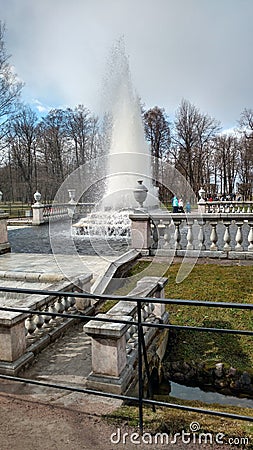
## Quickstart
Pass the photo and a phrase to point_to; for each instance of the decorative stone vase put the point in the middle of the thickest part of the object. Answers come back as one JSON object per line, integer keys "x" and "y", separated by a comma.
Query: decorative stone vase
{"x": 140, "y": 193}
{"x": 37, "y": 197}
{"x": 72, "y": 193}
{"x": 201, "y": 193}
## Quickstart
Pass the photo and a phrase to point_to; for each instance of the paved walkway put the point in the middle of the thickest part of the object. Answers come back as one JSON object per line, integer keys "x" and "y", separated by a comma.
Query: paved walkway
{"x": 67, "y": 265}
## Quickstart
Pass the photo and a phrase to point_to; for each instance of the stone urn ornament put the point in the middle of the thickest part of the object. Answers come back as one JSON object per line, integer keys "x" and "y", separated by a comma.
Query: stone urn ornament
{"x": 140, "y": 193}
{"x": 72, "y": 194}
{"x": 37, "y": 197}
{"x": 201, "y": 193}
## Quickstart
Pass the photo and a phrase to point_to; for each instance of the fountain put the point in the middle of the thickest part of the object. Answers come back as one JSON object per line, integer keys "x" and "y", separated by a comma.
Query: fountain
{"x": 129, "y": 158}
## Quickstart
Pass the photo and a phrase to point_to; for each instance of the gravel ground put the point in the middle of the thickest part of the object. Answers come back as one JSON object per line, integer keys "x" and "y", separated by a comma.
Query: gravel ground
{"x": 75, "y": 425}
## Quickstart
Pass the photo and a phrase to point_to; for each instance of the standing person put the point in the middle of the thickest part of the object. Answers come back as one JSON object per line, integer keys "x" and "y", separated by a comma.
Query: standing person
{"x": 175, "y": 204}
{"x": 188, "y": 207}
{"x": 180, "y": 205}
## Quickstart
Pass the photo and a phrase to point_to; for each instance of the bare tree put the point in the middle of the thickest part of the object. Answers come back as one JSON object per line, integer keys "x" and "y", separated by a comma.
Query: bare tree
{"x": 10, "y": 86}
{"x": 193, "y": 133}
{"x": 53, "y": 151}
{"x": 227, "y": 162}
{"x": 21, "y": 138}
{"x": 246, "y": 154}
{"x": 157, "y": 132}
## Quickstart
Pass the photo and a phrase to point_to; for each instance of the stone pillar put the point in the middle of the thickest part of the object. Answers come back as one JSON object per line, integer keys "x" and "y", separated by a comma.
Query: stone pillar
{"x": 12, "y": 337}
{"x": 110, "y": 371}
{"x": 4, "y": 244}
{"x": 141, "y": 232}
{"x": 201, "y": 206}
{"x": 37, "y": 209}
{"x": 108, "y": 346}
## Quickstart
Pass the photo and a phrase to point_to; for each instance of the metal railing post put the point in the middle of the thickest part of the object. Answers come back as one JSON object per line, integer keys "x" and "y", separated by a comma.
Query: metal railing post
{"x": 140, "y": 380}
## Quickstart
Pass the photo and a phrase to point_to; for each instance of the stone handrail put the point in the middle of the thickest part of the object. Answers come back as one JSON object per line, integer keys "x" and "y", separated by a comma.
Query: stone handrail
{"x": 202, "y": 235}
{"x": 228, "y": 206}
{"x": 42, "y": 213}
{"x": 22, "y": 335}
{"x": 114, "y": 345}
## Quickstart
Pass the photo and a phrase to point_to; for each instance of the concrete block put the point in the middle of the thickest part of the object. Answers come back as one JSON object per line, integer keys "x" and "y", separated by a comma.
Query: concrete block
{"x": 12, "y": 342}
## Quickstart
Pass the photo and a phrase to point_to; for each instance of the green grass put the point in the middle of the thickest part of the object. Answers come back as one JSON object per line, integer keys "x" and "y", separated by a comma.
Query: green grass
{"x": 207, "y": 282}
{"x": 171, "y": 421}
{"x": 214, "y": 283}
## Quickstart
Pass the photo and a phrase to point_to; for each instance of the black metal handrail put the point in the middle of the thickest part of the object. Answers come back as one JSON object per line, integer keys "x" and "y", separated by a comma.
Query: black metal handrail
{"x": 140, "y": 400}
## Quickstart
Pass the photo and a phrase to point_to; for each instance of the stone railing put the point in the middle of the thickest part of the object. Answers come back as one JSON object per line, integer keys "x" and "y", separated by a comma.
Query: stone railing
{"x": 4, "y": 244}
{"x": 114, "y": 345}
{"x": 228, "y": 206}
{"x": 204, "y": 235}
{"x": 22, "y": 335}
{"x": 42, "y": 213}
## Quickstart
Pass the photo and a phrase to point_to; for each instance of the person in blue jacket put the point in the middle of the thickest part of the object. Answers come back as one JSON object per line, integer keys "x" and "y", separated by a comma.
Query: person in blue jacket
{"x": 175, "y": 204}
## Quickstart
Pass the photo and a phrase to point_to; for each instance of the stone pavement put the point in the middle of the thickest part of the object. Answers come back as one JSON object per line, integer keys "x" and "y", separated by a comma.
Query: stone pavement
{"x": 68, "y": 266}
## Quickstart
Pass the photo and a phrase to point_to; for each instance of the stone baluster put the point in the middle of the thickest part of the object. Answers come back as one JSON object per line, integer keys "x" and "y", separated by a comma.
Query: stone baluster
{"x": 160, "y": 228}
{"x": 65, "y": 304}
{"x": 30, "y": 327}
{"x": 150, "y": 307}
{"x": 213, "y": 237}
{"x": 239, "y": 237}
{"x": 46, "y": 318}
{"x": 166, "y": 236}
{"x": 177, "y": 235}
{"x": 39, "y": 322}
{"x": 189, "y": 235}
{"x": 227, "y": 237}
{"x": 250, "y": 237}
{"x": 201, "y": 236}
{"x": 51, "y": 309}
{"x": 72, "y": 303}
{"x": 131, "y": 339}
{"x": 59, "y": 308}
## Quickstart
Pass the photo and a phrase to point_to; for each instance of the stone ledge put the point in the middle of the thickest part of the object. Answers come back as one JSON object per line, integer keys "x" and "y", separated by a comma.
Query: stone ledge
{"x": 114, "y": 385}
{"x": 110, "y": 330}
{"x": 13, "y": 368}
{"x": 101, "y": 284}
{"x": 5, "y": 248}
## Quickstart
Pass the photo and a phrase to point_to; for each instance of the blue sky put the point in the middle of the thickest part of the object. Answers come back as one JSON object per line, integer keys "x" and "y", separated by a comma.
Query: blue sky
{"x": 200, "y": 50}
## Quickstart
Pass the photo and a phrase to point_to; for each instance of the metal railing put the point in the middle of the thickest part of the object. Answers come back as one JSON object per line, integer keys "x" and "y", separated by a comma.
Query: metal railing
{"x": 142, "y": 355}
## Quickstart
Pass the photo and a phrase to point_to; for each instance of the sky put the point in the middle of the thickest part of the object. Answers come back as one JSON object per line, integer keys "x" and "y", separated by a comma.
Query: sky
{"x": 198, "y": 50}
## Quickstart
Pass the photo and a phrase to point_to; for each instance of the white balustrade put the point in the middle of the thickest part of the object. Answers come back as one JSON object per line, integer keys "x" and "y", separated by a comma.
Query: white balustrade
{"x": 228, "y": 206}
{"x": 250, "y": 238}
{"x": 205, "y": 234}
{"x": 39, "y": 324}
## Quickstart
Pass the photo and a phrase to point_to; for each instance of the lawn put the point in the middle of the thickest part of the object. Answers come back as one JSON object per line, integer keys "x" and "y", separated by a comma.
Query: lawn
{"x": 208, "y": 282}
{"x": 216, "y": 283}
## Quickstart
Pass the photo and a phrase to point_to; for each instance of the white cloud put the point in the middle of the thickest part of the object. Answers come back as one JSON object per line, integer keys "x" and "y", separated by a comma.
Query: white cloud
{"x": 41, "y": 108}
